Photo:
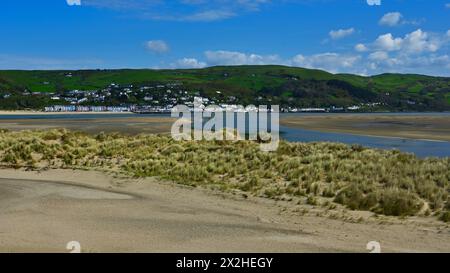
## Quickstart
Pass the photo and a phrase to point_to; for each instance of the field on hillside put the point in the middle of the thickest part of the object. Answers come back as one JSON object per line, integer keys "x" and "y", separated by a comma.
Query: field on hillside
{"x": 241, "y": 76}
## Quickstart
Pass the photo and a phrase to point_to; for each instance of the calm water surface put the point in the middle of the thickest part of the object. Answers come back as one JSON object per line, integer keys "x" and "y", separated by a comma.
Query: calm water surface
{"x": 421, "y": 148}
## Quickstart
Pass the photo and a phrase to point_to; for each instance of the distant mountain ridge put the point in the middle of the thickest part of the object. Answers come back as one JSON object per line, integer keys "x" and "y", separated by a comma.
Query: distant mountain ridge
{"x": 286, "y": 86}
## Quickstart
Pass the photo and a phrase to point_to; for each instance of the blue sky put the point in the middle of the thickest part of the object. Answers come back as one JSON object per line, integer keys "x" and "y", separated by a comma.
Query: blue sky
{"x": 340, "y": 36}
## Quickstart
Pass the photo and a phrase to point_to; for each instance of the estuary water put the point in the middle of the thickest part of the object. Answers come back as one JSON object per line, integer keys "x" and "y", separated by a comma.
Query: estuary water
{"x": 126, "y": 123}
{"x": 422, "y": 148}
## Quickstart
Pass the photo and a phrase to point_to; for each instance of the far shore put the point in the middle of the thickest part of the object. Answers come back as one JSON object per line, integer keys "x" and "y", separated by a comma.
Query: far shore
{"x": 414, "y": 126}
{"x": 25, "y": 112}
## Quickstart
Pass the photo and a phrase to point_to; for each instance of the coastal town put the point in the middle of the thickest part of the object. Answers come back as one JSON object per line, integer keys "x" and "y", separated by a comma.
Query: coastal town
{"x": 159, "y": 98}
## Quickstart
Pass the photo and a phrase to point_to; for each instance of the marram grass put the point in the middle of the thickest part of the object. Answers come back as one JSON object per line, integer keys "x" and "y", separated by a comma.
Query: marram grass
{"x": 385, "y": 182}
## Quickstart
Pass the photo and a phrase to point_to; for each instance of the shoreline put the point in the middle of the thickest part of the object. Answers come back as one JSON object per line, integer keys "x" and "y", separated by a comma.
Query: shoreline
{"x": 23, "y": 112}
{"x": 413, "y": 126}
{"x": 367, "y": 135}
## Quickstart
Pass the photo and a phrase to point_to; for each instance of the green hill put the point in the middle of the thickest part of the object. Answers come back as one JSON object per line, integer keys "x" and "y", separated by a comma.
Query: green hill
{"x": 287, "y": 86}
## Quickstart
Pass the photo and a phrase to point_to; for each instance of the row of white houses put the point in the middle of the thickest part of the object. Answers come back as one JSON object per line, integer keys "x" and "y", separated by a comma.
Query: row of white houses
{"x": 80, "y": 108}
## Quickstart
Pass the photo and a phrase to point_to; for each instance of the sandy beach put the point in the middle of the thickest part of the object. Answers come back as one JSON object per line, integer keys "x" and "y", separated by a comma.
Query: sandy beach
{"x": 41, "y": 212}
{"x": 428, "y": 127}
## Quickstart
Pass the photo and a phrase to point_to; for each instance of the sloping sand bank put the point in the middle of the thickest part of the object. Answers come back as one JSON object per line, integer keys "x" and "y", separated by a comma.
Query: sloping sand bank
{"x": 42, "y": 212}
{"x": 429, "y": 127}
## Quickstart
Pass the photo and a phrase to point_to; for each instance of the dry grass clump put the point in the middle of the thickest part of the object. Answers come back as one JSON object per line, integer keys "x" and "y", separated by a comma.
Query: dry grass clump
{"x": 385, "y": 182}
{"x": 445, "y": 214}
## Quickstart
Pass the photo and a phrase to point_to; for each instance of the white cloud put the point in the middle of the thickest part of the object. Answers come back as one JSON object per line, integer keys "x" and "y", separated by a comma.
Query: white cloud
{"x": 361, "y": 47}
{"x": 388, "y": 42}
{"x": 374, "y": 2}
{"x": 415, "y": 42}
{"x": 208, "y": 16}
{"x": 245, "y": 4}
{"x": 341, "y": 33}
{"x": 427, "y": 64}
{"x": 189, "y": 63}
{"x": 379, "y": 56}
{"x": 222, "y": 57}
{"x": 416, "y": 52}
{"x": 73, "y": 2}
{"x": 157, "y": 46}
{"x": 190, "y": 10}
{"x": 419, "y": 41}
{"x": 332, "y": 62}
{"x": 391, "y": 19}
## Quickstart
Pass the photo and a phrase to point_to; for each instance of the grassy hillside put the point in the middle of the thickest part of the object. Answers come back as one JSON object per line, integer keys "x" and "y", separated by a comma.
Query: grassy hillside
{"x": 280, "y": 84}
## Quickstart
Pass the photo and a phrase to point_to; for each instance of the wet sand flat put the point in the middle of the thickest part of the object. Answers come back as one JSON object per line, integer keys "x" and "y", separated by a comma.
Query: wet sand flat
{"x": 430, "y": 127}
{"x": 108, "y": 124}
{"x": 41, "y": 212}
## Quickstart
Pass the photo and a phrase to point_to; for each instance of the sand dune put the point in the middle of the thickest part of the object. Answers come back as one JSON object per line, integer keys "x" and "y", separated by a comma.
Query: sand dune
{"x": 41, "y": 212}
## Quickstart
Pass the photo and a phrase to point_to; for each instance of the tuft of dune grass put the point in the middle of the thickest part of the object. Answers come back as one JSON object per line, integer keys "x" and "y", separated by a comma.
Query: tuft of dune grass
{"x": 381, "y": 181}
